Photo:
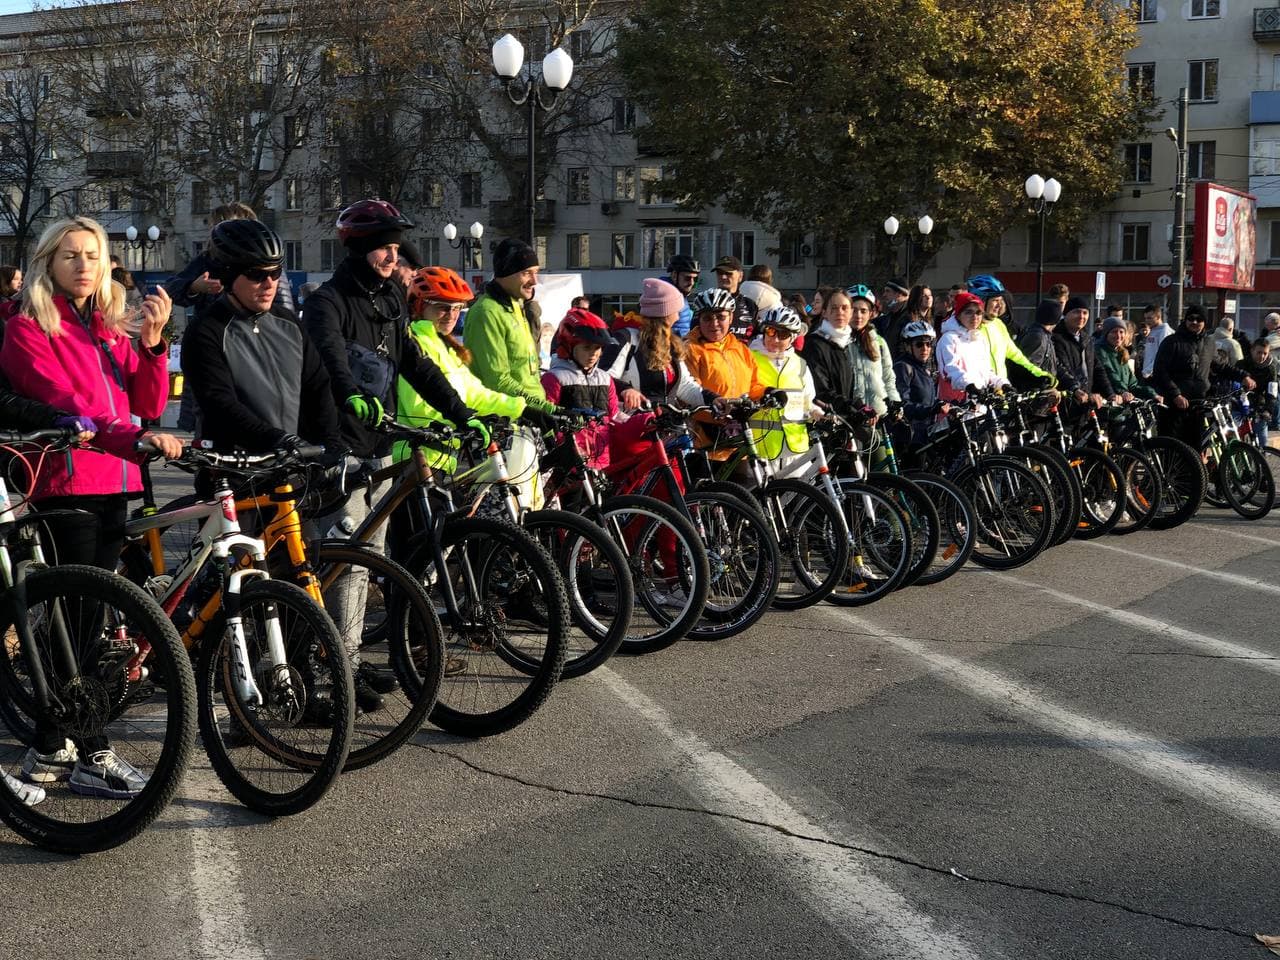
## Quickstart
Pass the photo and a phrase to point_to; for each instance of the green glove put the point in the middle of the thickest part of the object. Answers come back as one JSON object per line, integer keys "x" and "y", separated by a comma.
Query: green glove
{"x": 367, "y": 409}
{"x": 546, "y": 406}
{"x": 479, "y": 427}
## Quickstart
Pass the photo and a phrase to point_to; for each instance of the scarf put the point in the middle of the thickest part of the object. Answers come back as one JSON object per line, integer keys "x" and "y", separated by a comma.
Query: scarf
{"x": 841, "y": 338}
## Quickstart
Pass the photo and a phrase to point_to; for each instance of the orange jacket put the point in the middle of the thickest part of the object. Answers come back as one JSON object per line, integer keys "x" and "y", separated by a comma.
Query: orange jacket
{"x": 726, "y": 367}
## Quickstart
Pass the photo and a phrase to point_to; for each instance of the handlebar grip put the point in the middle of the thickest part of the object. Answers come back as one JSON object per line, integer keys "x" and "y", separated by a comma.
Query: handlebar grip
{"x": 311, "y": 451}
{"x": 48, "y": 433}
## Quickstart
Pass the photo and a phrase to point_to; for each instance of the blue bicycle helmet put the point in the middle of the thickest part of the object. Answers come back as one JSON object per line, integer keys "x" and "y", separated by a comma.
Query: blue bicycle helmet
{"x": 860, "y": 291}
{"x": 985, "y": 285}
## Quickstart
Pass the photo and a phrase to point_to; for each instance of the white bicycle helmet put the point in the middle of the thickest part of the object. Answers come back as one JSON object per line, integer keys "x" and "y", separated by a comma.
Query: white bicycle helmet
{"x": 917, "y": 329}
{"x": 783, "y": 318}
{"x": 712, "y": 298}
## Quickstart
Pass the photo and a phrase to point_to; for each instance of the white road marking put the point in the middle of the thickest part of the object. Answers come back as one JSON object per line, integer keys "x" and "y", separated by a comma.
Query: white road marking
{"x": 1252, "y": 537}
{"x": 216, "y": 881}
{"x": 1221, "y": 575}
{"x": 1196, "y": 775}
{"x": 1219, "y": 648}
{"x": 862, "y": 908}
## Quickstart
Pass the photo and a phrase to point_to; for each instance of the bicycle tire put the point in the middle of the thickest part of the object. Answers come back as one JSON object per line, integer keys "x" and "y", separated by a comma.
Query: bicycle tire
{"x": 518, "y": 584}
{"x": 600, "y": 598}
{"x": 1013, "y": 509}
{"x": 794, "y": 505}
{"x": 1144, "y": 490}
{"x": 957, "y": 525}
{"x": 733, "y": 489}
{"x": 407, "y": 629}
{"x": 1053, "y": 468}
{"x": 645, "y": 524}
{"x": 317, "y": 665}
{"x": 1245, "y": 481}
{"x": 1184, "y": 479}
{"x": 1103, "y": 492}
{"x": 926, "y": 526}
{"x": 880, "y": 547}
{"x": 738, "y": 541}
{"x": 172, "y": 683}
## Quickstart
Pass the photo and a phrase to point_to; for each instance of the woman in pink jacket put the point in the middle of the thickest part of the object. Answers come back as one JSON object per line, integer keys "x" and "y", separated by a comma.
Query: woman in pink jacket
{"x": 68, "y": 346}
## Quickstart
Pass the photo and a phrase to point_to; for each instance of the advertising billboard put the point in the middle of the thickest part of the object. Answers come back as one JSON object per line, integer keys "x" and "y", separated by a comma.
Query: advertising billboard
{"x": 1225, "y": 250}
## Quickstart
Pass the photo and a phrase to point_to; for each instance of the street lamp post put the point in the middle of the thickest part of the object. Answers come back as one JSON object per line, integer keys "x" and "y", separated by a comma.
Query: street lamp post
{"x": 1043, "y": 194}
{"x": 466, "y": 244}
{"x": 557, "y": 71}
{"x": 152, "y": 239}
{"x": 891, "y": 226}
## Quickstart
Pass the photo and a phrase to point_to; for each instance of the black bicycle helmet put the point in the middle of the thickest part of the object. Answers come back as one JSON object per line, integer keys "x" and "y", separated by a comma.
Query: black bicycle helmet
{"x": 243, "y": 244}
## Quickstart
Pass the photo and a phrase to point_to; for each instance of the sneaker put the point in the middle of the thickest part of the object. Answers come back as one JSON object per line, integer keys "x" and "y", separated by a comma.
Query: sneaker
{"x": 383, "y": 681}
{"x": 455, "y": 666}
{"x": 671, "y": 595}
{"x": 106, "y": 775}
{"x": 28, "y": 793}
{"x": 50, "y": 767}
{"x": 368, "y": 699}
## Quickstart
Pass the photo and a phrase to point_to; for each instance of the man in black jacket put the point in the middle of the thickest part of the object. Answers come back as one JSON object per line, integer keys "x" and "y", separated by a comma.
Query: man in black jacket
{"x": 1037, "y": 344}
{"x": 1187, "y": 360}
{"x": 258, "y": 379}
{"x": 358, "y": 321}
{"x": 1081, "y": 375}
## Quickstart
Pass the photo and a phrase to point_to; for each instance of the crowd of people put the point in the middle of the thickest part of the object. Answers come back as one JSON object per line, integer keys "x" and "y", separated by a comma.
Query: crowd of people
{"x": 83, "y": 349}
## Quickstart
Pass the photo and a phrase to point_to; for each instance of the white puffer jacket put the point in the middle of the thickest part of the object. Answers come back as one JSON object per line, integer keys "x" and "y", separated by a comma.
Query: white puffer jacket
{"x": 964, "y": 359}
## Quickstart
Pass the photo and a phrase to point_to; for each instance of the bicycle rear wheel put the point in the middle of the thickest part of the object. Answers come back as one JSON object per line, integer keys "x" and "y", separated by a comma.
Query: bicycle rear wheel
{"x": 1144, "y": 490}
{"x": 669, "y": 569}
{"x": 926, "y": 527}
{"x": 956, "y": 522}
{"x": 507, "y": 630}
{"x": 1054, "y": 471}
{"x": 596, "y": 580}
{"x": 1245, "y": 481}
{"x": 147, "y": 720}
{"x": 814, "y": 548}
{"x": 1013, "y": 509}
{"x": 1183, "y": 477}
{"x": 743, "y": 563}
{"x": 1102, "y": 490}
{"x": 281, "y": 756}
{"x": 398, "y": 622}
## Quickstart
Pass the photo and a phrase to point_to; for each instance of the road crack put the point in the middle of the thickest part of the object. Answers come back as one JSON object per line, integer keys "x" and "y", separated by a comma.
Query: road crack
{"x": 948, "y": 872}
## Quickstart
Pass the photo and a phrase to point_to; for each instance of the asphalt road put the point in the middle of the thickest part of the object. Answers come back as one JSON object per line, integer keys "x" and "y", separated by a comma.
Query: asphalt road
{"x": 1078, "y": 760}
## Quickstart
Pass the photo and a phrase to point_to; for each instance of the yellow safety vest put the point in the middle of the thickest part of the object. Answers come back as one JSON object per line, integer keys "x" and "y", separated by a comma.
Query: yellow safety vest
{"x": 765, "y": 423}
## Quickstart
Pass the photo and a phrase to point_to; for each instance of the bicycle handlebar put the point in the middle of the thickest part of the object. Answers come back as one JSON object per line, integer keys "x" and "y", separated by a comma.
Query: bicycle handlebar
{"x": 35, "y": 436}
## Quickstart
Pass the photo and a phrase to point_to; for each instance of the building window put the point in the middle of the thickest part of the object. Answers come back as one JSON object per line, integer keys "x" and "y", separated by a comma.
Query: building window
{"x": 624, "y": 115}
{"x": 1202, "y": 80}
{"x": 470, "y": 188}
{"x": 1202, "y": 156}
{"x": 579, "y": 185}
{"x": 580, "y": 44}
{"x": 294, "y": 133}
{"x": 199, "y": 197}
{"x": 579, "y": 251}
{"x": 292, "y": 255}
{"x": 742, "y": 244}
{"x": 660, "y": 244}
{"x": 430, "y": 249}
{"x": 1205, "y": 9}
{"x": 790, "y": 250}
{"x": 1275, "y": 240}
{"x": 433, "y": 194}
{"x": 1135, "y": 242}
{"x": 1137, "y": 162}
{"x": 624, "y": 251}
{"x": 989, "y": 253}
{"x": 1145, "y": 9}
{"x": 328, "y": 254}
{"x": 1142, "y": 81}
{"x": 539, "y": 247}
{"x": 292, "y": 194}
{"x": 624, "y": 183}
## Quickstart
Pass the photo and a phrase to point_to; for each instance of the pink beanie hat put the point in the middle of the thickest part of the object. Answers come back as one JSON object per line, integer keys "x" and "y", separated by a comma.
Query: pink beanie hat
{"x": 660, "y": 299}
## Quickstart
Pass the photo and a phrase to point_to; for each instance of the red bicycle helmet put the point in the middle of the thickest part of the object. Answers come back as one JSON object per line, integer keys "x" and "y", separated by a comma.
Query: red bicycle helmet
{"x": 438, "y": 285}
{"x": 366, "y": 217}
{"x": 581, "y": 326}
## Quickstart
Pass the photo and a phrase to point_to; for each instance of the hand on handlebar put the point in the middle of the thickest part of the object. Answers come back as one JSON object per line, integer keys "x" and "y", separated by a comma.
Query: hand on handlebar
{"x": 1180, "y": 402}
{"x": 84, "y": 426}
{"x": 480, "y": 428}
{"x": 1249, "y": 383}
{"x": 165, "y": 444}
{"x": 632, "y": 400}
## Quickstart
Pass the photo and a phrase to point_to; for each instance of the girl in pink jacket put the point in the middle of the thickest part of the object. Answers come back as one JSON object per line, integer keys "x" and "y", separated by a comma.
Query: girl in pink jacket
{"x": 67, "y": 346}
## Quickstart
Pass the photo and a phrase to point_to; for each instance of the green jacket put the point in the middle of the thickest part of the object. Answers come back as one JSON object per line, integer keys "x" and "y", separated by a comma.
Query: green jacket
{"x": 1122, "y": 377}
{"x": 504, "y": 346}
{"x": 1003, "y": 348}
{"x": 415, "y": 411}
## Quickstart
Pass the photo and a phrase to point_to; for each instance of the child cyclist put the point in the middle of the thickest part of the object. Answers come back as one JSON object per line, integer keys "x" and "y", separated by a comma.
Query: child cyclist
{"x": 577, "y": 381}
{"x": 782, "y": 435}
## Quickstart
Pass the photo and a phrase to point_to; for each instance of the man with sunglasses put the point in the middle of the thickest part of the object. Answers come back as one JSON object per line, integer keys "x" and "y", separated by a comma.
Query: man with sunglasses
{"x": 259, "y": 380}
{"x": 682, "y": 273}
{"x": 1186, "y": 361}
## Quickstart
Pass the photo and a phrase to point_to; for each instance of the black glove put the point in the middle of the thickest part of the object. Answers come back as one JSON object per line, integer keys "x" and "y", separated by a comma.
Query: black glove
{"x": 290, "y": 443}
{"x": 775, "y": 397}
{"x": 1045, "y": 383}
{"x": 544, "y": 422}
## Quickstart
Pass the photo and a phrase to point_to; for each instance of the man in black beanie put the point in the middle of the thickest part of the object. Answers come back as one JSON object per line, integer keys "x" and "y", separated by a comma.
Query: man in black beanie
{"x": 502, "y": 329}
{"x": 1037, "y": 343}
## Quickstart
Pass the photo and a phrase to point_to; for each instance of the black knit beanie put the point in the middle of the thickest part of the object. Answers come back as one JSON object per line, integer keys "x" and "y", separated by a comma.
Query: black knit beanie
{"x": 362, "y": 245}
{"x": 512, "y": 256}
{"x": 1048, "y": 313}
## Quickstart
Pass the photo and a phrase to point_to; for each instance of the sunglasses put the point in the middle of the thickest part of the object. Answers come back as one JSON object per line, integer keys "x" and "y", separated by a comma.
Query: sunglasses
{"x": 779, "y": 333}
{"x": 260, "y": 276}
{"x": 446, "y": 307}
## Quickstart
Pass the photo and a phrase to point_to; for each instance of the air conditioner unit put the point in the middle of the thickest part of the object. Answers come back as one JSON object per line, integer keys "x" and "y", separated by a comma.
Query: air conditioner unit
{"x": 608, "y": 208}
{"x": 806, "y": 250}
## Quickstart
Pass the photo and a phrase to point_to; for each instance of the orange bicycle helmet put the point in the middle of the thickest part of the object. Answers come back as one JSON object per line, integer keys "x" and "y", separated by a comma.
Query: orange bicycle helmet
{"x": 438, "y": 285}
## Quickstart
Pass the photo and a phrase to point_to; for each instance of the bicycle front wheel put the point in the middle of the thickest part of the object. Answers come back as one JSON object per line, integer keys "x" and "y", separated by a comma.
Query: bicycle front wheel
{"x": 812, "y": 539}
{"x": 506, "y": 623}
{"x": 880, "y": 545}
{"x": 1183, "y": 478}
{"x": 130, "y": 689}
{"x": 1144, "y": 490}
{"x": 1013, "y": 509}
{"x": 1245, "y": 481}
{"x": 956, "y": 523}
{"x": 278, "y": 751}
{"x": 926, "y": 527}
{"x": 1103, "y": 493}
{"x": 742, "y": 557}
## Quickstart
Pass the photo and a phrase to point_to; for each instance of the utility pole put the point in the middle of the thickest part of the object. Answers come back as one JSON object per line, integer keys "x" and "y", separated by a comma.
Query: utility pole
{"x": 1180, "y": 210}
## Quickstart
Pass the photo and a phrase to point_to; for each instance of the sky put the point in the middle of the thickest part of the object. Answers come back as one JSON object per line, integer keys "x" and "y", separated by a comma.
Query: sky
{"x": 16, "y": 6}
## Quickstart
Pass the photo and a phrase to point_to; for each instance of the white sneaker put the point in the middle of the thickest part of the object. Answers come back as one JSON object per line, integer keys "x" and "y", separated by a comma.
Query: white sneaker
{"x": 28, "y": 793}
{"x": 50, "y": 767}
{"x": 106, "y": 775}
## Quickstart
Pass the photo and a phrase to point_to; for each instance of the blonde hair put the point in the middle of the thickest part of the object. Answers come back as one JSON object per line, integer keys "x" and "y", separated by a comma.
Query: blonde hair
{"x": 662, "y": 348}
{"x": 108, "y": 297}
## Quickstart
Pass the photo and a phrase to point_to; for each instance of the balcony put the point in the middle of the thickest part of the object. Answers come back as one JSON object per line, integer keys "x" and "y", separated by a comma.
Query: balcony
{"x": 665, "y": 211}
{"x": 648, "y": 144}
{"x": 102, "y": 164}
{"x": 1264, "y": 107}
{"x": 507, "y": 215}
{"x": 1266, "y": 24}
{"x": 109, "y": 108}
